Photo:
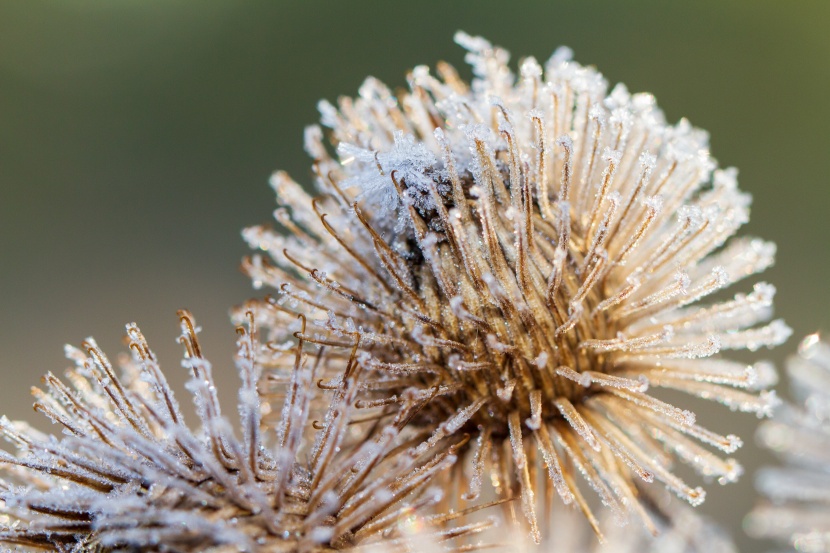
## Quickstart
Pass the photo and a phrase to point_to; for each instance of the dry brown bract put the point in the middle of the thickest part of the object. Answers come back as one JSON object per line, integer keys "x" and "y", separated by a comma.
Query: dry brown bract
{"x": 531, "y": 254}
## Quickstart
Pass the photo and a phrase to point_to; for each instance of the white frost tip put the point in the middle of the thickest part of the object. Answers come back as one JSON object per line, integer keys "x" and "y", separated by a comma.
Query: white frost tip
{"x": 328, "y": 114}
{"x": 496, "y": 102}
{"x": 654, "y": 203}
{"x": 612, "y": 156}
{"x": 770, "y": 401}
{"x": 733, "y": 443}
{"x": 313, "y": 142}
{"x": 765, "y": 375}
{"x": 781, "y": 331}
{"x": 622, "y": 119}
{"x": 505, "y": 126}
{"x": 619, "y": 97}
{"x": 713, "y": 345}
{"x": 690, "y": 215}
{"x": 565, "y": 141}
{"x": 530, "y": 68}
{"x": 683, "y": 280}
{"x": 763, "y": 248}
{"x": 597, "y": 113}
{"x": 726, "y": 178}
{"x": 472, "y": 43}
{"x": 763, "y": 292}
{"x": 720, "y": 275}
{"x": 562, "y": 54}
{"x": 696, "y": 497}
{"x": 478, "y": 132}
{"x": 420, "y": 73}
{"x": 648, "y": 161}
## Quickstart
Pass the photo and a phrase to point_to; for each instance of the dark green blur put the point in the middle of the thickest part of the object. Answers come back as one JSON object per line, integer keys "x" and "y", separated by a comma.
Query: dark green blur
{"x": 136, "y": 139}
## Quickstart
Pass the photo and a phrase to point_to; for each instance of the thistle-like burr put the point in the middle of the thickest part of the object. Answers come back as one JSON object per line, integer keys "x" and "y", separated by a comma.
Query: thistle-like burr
{"x": 533, "y": 254}
{"x": 129, "y": 474}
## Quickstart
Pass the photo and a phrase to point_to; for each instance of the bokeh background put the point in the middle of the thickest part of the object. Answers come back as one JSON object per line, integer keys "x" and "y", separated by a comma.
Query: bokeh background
{"x": 137, "y": 136}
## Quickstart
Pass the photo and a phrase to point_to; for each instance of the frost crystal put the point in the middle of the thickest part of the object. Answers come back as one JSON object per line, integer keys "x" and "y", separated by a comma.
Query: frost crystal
{"x": 797, "y": 506}
{"x": 536, "y": 254}
{"x": 409, "y": 161}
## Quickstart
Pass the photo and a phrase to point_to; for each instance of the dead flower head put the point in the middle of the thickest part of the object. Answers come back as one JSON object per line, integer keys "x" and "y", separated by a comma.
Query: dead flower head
{"x": 129, "y": 474}
{"x": 534, "y": 254}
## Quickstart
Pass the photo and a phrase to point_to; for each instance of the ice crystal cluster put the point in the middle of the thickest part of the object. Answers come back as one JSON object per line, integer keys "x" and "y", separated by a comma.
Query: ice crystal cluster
{"x": 797, "y": 506}
{"x": 532, "y": 255}
{"x": 130, "y": 475}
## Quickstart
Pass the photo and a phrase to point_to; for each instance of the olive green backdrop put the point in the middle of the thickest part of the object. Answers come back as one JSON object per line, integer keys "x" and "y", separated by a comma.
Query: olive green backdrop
{"x": 136, "y": 139}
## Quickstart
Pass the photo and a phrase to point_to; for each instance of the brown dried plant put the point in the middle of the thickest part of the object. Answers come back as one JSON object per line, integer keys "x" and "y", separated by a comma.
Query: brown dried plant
{"x": 530, "y": 255}
{"x": 129, "y": 474}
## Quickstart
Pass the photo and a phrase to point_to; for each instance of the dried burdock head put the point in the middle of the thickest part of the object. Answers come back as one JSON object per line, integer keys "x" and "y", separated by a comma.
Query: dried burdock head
{"x": 128, "y": 474}
{"x": 797, "y": 505}
{"x": 534, "y": 254}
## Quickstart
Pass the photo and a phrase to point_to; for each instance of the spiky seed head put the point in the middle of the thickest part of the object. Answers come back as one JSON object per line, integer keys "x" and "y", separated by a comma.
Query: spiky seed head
{"x": 534, "y": 253}
{"x": 128, "y": 473}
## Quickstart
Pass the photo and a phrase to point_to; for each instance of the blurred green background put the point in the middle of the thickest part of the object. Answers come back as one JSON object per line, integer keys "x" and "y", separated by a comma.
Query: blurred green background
{"x": 136, "y": 139}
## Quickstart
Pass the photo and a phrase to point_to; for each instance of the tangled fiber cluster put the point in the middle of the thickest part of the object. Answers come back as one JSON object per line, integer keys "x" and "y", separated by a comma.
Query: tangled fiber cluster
{"x": 797, "y": 506}
{"x": 534, "y": 255}
{"x": 130, "y": 475}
